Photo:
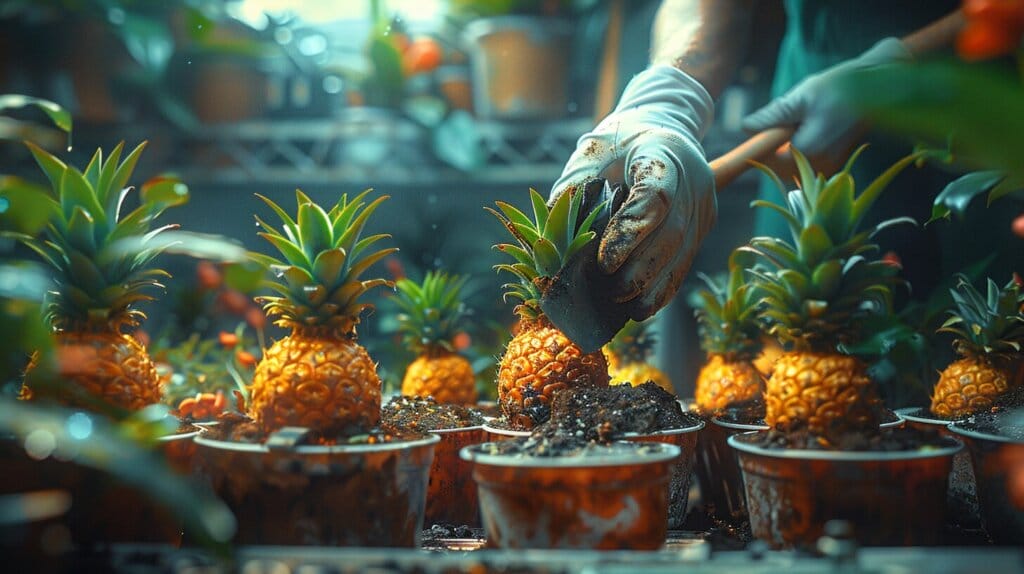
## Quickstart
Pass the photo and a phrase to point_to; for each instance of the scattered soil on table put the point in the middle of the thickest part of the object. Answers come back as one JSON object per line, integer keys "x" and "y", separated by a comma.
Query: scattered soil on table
{"x": 886, "y": 440}
{"x": 445, "y": 531}
{"x": 1007, "y": 423}
{"x": 240, "y": 428}
{"x": 422, "y": 414}
{"x": 604, "y": 414}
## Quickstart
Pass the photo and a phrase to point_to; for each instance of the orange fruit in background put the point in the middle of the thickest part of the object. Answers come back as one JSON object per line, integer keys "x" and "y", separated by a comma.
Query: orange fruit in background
{"x": 983, "y": 39}
{"x": 207, "y": 275}
{"x": 1018, "y": 226}
{"x": 423, "y": 55}
{"x": 228, "y": 339}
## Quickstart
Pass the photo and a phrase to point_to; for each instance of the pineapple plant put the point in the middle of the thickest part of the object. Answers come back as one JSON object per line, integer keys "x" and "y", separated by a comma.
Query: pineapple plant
{"x": 819, "y": 290}
{"x": 431, "y": 315}
{"x": 730, "y": 334}
{"x": 540, "y": 360}
{"x": 319, "y": 376}
{"x": 629, "y": 354}
{"x": 99, "y": 282}
{"x": 988, "y": 331}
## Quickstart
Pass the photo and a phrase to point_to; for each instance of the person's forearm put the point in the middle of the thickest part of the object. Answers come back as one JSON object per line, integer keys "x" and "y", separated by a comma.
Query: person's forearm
{"x": 704, "y": 38}
{"x": 935, "y": 36}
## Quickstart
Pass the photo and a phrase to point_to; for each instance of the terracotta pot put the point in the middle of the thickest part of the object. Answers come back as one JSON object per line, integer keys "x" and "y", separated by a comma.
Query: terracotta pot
{"x": 103, "y": 510}
{"x": 495, "y": 434}
{"x": 344, "y": 495}
{"x": 180, "y": 449}
{"x": 963, "y": 488}
{"x": 519, "y": 67}
{"x": 891, "y": 498}
{"x": 451, "y": 494}
{"x": 718, "y": 470}
{"x": 992, "y": 454}
{"x": 682, "y": 469}
{"x": 614, "y": 499}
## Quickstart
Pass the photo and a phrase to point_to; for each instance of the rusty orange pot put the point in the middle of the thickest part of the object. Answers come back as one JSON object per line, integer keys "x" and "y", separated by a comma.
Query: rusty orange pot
{"x": 180, "y": 449}
{"x": 963, "y": 487}
{"x": 615, "y": 497}
{"x": 682, "y": 468}
{"x": 343, "y": 495}
{"x": 993, "y": 456}
{"x": 451, "y": 493}
{"x": 891, "y": 498}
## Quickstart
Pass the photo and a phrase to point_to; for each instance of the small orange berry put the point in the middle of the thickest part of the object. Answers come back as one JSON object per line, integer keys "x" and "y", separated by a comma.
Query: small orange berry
{"x": 245, "y": 358}
{"x": 1018, "y": 226}
{"x": 461, "y": 341}
{"x": 228, "y": 340}
{"x": 892, "y": 258}
{"x": 256, "y": 318}
{"x": 423, "y": 55}
{"x": 233, "y": 301}
{"x": 208, "y": 276}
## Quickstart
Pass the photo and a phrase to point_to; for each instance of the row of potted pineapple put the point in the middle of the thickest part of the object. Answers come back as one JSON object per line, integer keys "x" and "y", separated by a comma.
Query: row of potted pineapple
{"x": 316, "y": 397}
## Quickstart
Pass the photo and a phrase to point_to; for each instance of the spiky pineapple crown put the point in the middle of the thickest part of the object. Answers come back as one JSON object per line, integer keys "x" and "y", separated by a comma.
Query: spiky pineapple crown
{"x": 634, "y": 343}
{"x": 727, "y": 312}
{"x": 989, "y": 325}
{"x": 98, "y": 279}
{"x": 823, "y": 283}
{"x": 432, "y": 311}
{"x": 544, "y": 244}
{"x": 323, "y": 256}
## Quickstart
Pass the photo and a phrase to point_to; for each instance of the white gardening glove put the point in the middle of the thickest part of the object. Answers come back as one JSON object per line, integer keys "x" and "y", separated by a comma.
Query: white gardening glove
{"x": 826, "y": 127}
{"x": 652, "y": 142}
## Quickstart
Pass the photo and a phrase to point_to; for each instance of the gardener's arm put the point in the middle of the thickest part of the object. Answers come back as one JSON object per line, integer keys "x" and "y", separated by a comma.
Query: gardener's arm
{"x": 826, "y": 128}
{"x": 704, "y": 38}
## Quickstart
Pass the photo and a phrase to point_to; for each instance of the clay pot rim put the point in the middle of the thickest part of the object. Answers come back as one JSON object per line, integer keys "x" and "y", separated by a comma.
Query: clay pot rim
{"x": 668, "y": 432}
{"x": 980, "y": 435}
{"x": 261, "y": 448}
{"x": 900, "y": 419}
{"x": 453, "y": 430}
{"x": 505, "y": 432}
{"x": 845, "y": 455}
{"x": 905, "y": 413}
{"x": 181, "y": 436}
{"x": 663, "y": 453}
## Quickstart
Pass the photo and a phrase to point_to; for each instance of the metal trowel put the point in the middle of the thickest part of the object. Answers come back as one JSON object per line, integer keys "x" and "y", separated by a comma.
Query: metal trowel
{"x": 579, "y": 299}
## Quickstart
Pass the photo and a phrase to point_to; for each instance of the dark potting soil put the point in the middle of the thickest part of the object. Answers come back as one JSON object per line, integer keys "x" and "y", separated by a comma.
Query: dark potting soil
{"x": 604, "y": 414}
{"x": 886, "y": 440}
{"x": 425, "y": 414}
{"x": 240, "y": 428}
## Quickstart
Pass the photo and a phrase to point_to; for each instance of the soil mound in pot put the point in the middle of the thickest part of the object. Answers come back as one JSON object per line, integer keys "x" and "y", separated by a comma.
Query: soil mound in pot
{"x": 421, "y": 414}
{"x": 240, "y": 428}
{"x": 886, "y": 440}
{"x": 539, "y": 445}
{"x": 604, "y": 414}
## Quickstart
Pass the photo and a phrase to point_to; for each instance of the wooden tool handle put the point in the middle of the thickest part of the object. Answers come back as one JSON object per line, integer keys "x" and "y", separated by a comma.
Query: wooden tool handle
{"x": 761, "y": 147}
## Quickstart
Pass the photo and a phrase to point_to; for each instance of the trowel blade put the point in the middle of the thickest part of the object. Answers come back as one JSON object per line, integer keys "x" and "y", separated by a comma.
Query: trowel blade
{"x": 578, "y": 299}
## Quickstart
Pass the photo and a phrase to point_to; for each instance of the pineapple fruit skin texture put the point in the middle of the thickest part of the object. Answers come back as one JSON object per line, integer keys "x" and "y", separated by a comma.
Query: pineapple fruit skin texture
{"x": 448, "y": 377}
{"x": 968, "y": 386}
{"x": 113, "y": 367}
{"x": 829, "y": 394}
{"x": 538, "y": 362}
{"x": 721, "y": 383}
{"x": 326, "y": 383}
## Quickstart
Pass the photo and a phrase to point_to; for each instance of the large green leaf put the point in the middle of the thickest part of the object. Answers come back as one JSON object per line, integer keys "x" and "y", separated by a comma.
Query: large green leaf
{"x": 956, "y": 196}
{"x": 981, "y": 106}
{"x": 58, "y": 115}
{"x": 24, "y": 206}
